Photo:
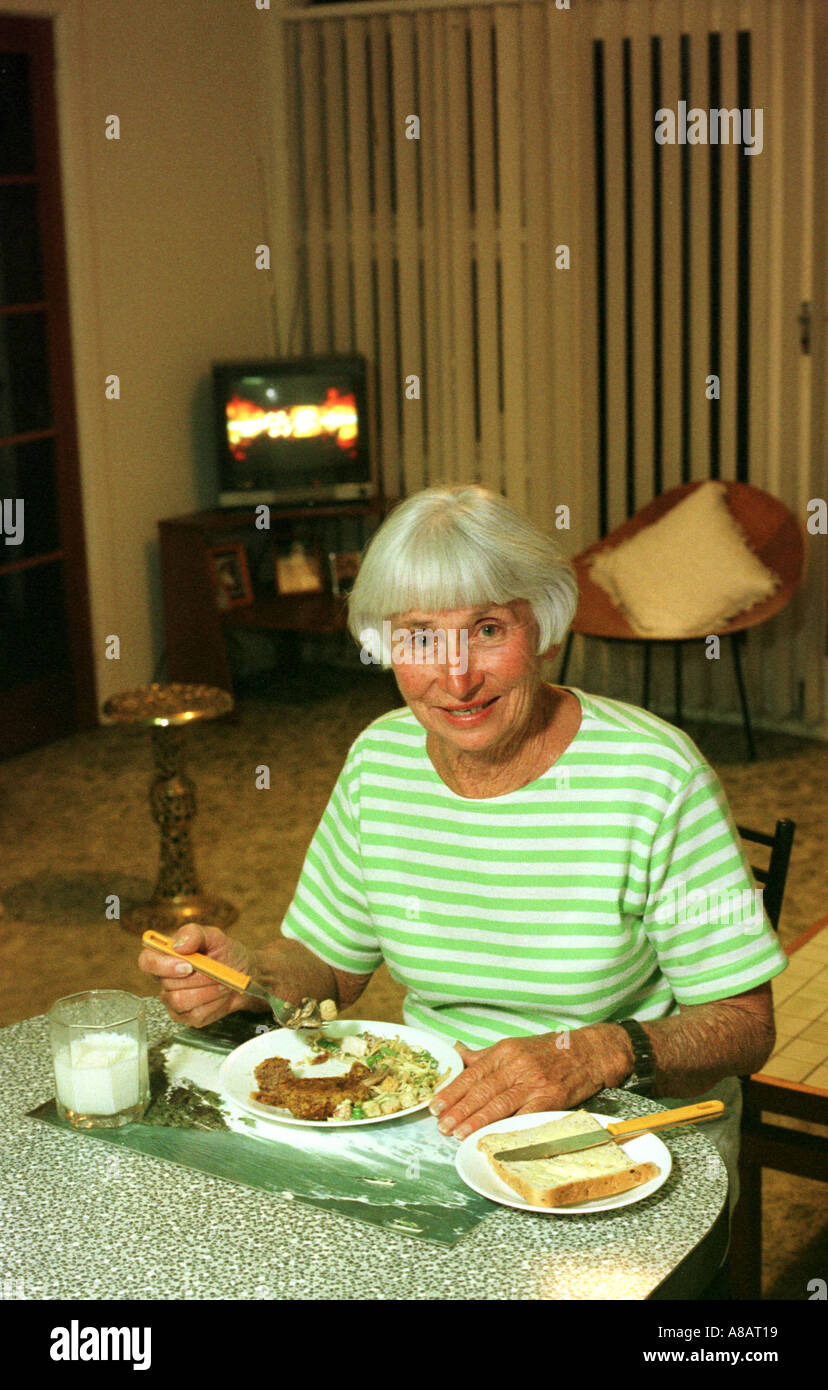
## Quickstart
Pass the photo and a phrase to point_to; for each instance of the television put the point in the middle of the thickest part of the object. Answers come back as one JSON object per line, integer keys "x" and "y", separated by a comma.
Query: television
{"x": 292, "y": 431}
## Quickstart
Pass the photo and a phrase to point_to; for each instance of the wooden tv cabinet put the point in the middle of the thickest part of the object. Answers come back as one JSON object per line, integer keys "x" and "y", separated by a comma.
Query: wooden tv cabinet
{"x": 196, "y": 628}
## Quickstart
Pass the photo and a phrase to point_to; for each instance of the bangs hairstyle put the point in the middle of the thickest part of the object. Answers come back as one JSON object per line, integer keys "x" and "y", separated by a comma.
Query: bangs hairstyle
{"x": 459, "y": 547}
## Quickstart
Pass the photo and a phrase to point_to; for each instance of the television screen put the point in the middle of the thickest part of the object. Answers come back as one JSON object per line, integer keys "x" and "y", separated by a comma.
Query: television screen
{"x": 292, "y": 430}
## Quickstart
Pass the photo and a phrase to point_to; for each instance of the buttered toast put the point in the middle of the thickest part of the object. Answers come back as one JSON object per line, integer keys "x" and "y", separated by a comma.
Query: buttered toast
{"x": 566, "y": 1179}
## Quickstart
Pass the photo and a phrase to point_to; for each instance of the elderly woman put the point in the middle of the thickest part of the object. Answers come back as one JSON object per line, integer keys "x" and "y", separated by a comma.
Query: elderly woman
{"x": 541, "y": 869}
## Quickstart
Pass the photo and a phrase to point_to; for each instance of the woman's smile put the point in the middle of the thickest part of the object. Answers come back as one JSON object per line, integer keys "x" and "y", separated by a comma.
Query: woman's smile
{"x": 468, "y": 714}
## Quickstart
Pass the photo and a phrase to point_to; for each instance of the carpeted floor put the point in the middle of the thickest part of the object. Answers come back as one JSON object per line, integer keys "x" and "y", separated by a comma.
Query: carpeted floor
{"x": 77, "y": 821}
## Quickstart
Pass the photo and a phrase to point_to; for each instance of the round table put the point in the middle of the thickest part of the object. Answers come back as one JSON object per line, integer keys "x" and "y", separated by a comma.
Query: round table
{"x": 90, "y": 1218}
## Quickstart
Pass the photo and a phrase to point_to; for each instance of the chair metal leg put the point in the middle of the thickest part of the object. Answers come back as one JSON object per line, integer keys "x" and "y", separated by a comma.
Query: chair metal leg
{"x": 737, "y": 663}
{"x": 645, "y": 701}
{"x": 677, "y": 675}
{"x": 565, "y": 664}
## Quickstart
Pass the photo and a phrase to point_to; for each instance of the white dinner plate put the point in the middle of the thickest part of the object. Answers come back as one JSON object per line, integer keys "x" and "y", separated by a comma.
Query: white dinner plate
{"x": 237, "y": 1077}
{"x": 476, "y": 1171}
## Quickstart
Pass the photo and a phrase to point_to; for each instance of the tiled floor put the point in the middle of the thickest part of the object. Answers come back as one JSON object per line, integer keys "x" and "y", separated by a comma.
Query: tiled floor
{"x": 800, "y": 997}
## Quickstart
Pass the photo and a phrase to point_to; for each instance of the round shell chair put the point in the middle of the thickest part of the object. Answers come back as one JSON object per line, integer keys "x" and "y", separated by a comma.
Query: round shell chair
{"x": 772, "y": 532}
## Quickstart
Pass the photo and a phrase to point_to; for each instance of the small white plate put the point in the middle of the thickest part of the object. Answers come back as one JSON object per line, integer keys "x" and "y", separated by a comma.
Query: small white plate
{"x": 476, "y": 1171}
{"x": 237, "y": 1077}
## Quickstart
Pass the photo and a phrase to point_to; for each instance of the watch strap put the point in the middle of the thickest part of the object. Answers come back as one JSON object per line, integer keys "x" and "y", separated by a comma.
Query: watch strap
{"x": 642, "y": 1078}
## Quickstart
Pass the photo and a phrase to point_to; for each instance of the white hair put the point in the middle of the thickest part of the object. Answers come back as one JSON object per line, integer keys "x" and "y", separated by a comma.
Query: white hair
{"x": 460, "y": 547}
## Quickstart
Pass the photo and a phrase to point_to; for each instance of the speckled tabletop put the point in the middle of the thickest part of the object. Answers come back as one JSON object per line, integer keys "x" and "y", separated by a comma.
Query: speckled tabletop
{"x": 81, "y": 1220}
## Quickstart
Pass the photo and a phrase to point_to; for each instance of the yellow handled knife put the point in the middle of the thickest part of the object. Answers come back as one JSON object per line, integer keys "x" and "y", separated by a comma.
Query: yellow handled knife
{"x": 616, "y": 1132}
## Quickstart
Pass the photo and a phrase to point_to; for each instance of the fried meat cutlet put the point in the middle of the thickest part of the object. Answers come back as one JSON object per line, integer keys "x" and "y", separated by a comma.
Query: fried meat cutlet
{"x": 308, "y": 1097}
{"x": 273, "y": 1071}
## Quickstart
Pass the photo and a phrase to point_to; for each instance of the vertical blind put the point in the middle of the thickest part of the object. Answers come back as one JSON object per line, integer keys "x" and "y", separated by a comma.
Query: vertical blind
{"x": 544, "y": 291}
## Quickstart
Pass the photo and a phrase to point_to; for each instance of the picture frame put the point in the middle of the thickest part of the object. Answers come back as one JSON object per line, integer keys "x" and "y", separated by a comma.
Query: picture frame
{"x": 230, "y": 575}
{"x": 298, "y": 569}
{"x": 344, "y": 567}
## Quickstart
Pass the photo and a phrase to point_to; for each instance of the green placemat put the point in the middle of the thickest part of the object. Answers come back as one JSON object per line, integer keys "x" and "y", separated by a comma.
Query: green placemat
{"x": 399, "y": 1175}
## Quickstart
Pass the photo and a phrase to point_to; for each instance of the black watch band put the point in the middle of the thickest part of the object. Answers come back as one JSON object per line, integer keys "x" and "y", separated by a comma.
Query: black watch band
{"x": 642, "y": 1078}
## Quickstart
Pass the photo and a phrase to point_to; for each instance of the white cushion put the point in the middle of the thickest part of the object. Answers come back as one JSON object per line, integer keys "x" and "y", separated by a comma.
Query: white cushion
{"x": 687, "y": 574}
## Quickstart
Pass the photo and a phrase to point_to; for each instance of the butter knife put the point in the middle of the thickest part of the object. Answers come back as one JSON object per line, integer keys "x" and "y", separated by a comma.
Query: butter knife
{"x": 615, "y": 1132}
{"x": 283, "y": 1012}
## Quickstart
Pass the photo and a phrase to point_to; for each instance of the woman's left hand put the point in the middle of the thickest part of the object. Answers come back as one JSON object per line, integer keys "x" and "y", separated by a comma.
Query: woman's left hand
{"x": 516, "y": 1076}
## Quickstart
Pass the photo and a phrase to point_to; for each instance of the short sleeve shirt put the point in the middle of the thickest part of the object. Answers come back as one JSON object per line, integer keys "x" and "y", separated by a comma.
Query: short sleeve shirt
{"x": 613, "y": 886}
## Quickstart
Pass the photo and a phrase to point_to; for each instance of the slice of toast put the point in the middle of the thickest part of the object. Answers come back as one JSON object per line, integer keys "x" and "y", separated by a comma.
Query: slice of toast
{"x": 566, "y": 1179}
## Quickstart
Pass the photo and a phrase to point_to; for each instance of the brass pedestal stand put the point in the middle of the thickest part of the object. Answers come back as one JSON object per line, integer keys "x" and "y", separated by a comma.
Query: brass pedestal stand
{"x": 177, "y": 898}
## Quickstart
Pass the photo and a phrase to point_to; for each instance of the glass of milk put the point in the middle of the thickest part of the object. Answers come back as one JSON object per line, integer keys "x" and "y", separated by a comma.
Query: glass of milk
{"x": 99, "y": 1051}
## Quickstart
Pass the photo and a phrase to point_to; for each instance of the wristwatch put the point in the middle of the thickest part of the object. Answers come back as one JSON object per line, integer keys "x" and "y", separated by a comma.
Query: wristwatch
{"x": 642, "y": 1077}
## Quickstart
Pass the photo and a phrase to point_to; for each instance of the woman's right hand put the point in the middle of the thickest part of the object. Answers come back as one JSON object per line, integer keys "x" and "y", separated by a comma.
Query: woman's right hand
{"x": 189, "y": 997}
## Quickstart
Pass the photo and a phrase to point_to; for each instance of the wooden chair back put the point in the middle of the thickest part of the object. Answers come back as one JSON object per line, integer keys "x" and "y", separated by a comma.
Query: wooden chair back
{"x": 774, "y": 877}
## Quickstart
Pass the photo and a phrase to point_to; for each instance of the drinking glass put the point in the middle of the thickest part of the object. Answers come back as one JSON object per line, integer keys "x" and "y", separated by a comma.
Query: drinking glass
{"x": 99, "y": 1051}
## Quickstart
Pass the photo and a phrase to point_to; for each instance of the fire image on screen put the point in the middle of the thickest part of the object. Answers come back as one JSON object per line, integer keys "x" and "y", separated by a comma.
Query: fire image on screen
{"x": 297, "y": 421}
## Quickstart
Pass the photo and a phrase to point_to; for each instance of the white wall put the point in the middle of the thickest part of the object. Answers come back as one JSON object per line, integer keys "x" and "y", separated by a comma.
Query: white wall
{"x": 161, "y": 227}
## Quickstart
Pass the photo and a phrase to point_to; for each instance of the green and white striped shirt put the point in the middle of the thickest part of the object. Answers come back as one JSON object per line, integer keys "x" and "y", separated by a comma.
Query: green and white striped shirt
{"x": 613, "y": 886}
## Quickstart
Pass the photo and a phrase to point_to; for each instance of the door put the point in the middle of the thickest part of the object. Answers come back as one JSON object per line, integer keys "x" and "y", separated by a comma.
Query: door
{"x": 46, "y": 673}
